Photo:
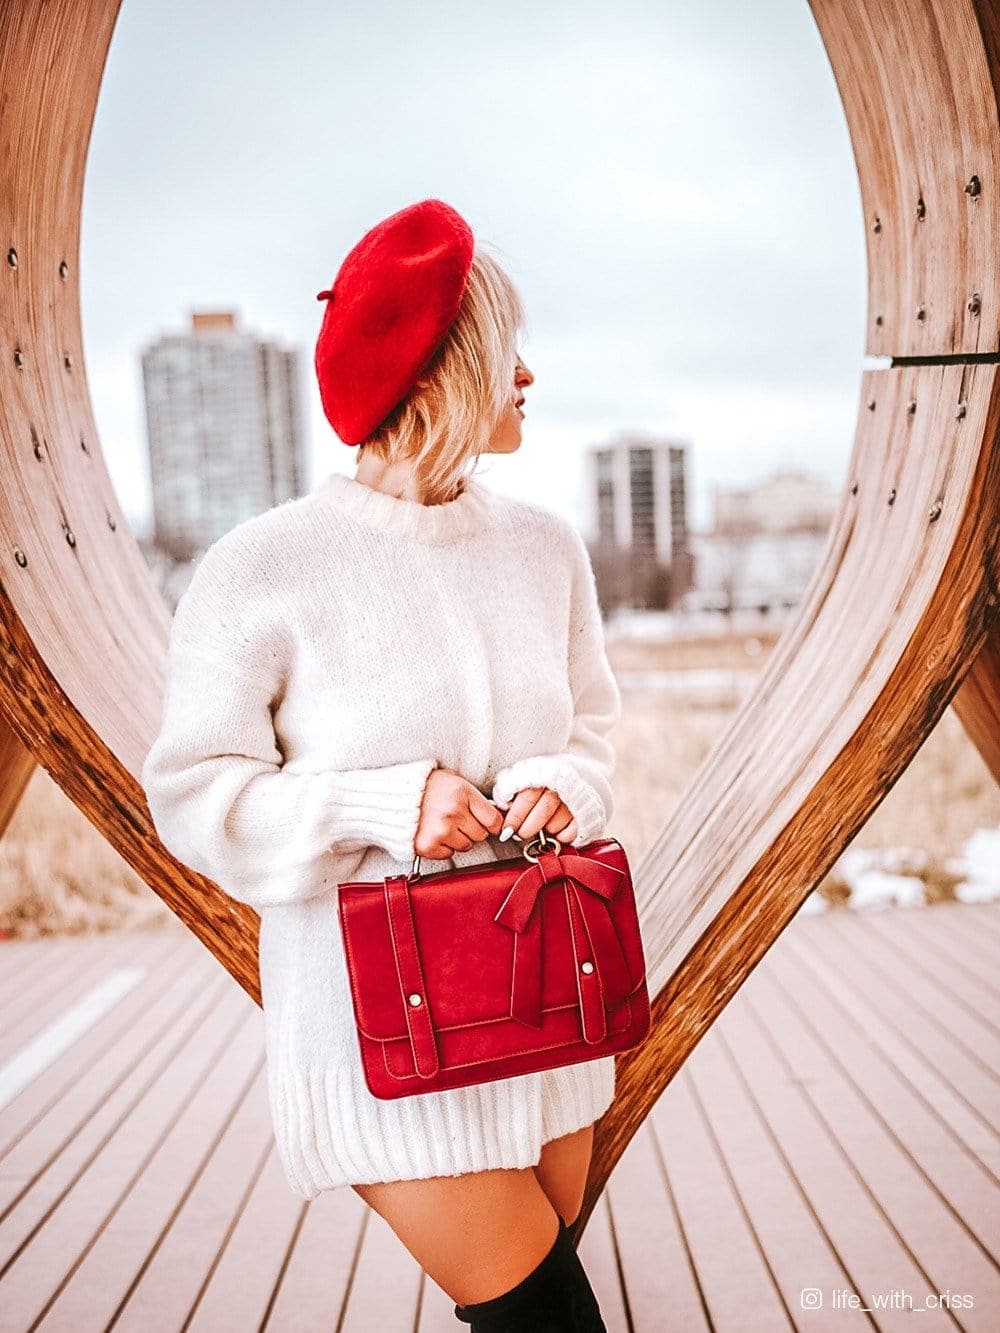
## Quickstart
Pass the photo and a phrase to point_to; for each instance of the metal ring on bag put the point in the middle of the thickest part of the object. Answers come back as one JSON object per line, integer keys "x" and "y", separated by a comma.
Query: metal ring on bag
{"x": 544, "y": 838}
{"x": 540, "y": 837}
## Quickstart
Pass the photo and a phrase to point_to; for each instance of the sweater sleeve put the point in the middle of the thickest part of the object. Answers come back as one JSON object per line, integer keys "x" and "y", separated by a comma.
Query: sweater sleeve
{"x": 582, "y": 772}
{"x": 221, "y": 799}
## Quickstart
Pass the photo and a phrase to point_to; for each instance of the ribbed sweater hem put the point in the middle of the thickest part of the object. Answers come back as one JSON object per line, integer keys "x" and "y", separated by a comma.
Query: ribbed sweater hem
{"x": 331, "y": 1132}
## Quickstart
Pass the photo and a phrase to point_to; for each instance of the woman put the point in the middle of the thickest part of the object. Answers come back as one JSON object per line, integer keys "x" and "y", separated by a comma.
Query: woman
{"x": 401, "y": 663}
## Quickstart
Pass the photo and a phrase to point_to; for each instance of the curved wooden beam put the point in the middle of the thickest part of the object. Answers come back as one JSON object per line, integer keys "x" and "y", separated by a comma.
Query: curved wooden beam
{"x": 905, "y": 599}
{"x": 918, "y": 84}
{"x": 977, "y": 703}
{"x": 16, "y": 767}
{"x": 83, "y": 628}
{"x": 901, "y": 606}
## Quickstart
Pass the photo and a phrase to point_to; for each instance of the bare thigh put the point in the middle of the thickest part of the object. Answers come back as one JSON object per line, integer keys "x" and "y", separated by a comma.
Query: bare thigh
{"x": 479, "y": 1234}
{"x": 563, "y": 1168}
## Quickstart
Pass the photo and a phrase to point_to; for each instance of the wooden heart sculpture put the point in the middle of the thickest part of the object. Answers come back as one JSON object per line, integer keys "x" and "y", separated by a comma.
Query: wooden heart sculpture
{"x": 898, "y": 621}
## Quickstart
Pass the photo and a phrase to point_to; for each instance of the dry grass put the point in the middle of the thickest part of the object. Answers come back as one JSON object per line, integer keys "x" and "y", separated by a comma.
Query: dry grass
{"x": 58, "y": 875}
{"x": 944, "y": 796}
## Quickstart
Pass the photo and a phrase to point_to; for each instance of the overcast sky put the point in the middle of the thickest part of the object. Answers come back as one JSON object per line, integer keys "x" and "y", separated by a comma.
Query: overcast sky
{"x": 670, "y": 184}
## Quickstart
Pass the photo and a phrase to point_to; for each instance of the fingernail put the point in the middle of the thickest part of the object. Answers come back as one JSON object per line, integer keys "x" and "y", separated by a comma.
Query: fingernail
{"x": 506, "y": 832}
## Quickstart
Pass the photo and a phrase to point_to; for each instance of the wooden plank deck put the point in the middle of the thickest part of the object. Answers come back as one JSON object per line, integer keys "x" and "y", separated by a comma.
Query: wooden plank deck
{"x": 835, "y": 1132}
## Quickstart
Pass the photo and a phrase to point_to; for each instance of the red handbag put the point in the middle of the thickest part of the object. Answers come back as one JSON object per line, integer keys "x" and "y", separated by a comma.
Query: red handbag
{"x": 506, "y": 967}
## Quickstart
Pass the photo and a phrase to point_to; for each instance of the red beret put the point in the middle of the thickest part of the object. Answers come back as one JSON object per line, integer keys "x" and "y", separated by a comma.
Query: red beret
{"x": 391, "y": 304}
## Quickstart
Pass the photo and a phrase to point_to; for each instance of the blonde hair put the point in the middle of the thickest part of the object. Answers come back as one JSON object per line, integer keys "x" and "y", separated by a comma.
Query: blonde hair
{"x": 464, "y": 389}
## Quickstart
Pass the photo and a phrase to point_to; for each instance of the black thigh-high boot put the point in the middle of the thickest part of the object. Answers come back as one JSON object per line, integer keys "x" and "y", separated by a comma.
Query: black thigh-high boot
{"x": 555, "y": 1297}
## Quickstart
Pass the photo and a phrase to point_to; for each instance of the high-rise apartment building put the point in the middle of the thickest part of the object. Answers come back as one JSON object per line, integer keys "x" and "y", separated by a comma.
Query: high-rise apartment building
{"x": 225, "y": 425}
{"x": 637, "y": 491}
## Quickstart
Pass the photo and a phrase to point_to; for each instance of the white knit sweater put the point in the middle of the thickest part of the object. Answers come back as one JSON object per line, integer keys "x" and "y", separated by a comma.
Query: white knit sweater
{"x": 326, "y": 655}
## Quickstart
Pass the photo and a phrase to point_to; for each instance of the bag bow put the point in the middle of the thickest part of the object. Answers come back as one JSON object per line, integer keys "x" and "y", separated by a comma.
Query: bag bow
{"x": 589, "y": 885}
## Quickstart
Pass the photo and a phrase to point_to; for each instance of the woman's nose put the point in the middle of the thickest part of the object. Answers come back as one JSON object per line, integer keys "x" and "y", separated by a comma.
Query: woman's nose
{"x": 523, "y": 375}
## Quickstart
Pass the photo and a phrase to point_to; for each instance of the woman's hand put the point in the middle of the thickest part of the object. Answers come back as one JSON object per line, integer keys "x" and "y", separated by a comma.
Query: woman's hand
{"x": 453, "y": 815}
{"x": 536, "y": 808}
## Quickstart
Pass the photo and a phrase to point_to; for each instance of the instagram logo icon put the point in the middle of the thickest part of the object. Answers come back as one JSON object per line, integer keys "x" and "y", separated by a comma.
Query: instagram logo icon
{"x": 810, "y": 1298}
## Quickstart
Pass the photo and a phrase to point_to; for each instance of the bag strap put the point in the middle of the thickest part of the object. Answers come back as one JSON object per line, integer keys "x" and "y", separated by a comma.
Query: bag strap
{"x": 426, "y": 1061}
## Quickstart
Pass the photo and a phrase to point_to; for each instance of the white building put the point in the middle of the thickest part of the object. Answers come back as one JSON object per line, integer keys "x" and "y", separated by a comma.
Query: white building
{"x": 765, "y": 543}
{"x": 636, "y": 489}
{"x": 789, "y": 501}
{"x": 225, "y": 425}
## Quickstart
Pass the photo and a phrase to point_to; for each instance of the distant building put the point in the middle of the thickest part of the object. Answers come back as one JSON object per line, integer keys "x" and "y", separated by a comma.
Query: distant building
{"x": 787, "y": 501}
{"x": 225, "y": 425}
{"x": 764, "y": 545}
{"x": 637, "y": 492}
